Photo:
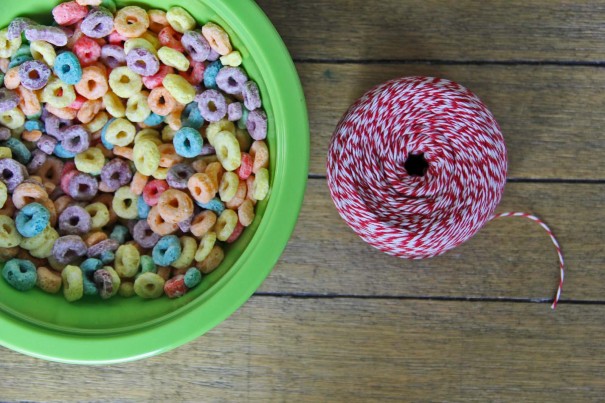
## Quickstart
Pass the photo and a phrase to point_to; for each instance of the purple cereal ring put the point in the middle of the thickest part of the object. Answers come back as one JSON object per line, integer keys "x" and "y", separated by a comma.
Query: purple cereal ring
{"x": 144, "y": 236}
{"x": 8, "y": 100}
{"x": 185, "y": 225}
{"x": 207, "y": 149}
{"x": 196, "y": 45}
{"x": 251, "y": 96}
{"x": 142, "y": 62}
{"x": 107, "y": 245}
{"x": 12, "y": 173}
{"x": 18, "y": 25}
{"x": 54, "y": 125}
{"x": 75, "y": 139}
{"x": 213, "y": 55}
{"x": 69, "y": 248}
{"x": 231, "y": 80}
{"x": 83, "y": 187}
{"x": 53, "y": 35}
{"x": 74, "y": 220}
{"x": 98, "y": 23}
{"x": 179, "y": 175}
{"x": 47, "y": 144}
{"x": 5, "y": 132}
{"x": 113, "y": 56}
{"x": 115, "y": 174}
{"x": 38, "y": 159}
{"x": 212, "y": 105}
{"x": 235, "y": 111}
{"x": 257, "y": 124}
{"x": 34, "y": 74}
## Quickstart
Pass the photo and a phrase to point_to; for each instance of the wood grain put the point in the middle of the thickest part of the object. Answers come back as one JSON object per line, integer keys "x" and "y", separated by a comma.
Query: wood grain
{"x": 283, "y": 349}
{"x": 543, "y": 111}
{"x": 509, "y": 258}
{"x": 533, "y": 30}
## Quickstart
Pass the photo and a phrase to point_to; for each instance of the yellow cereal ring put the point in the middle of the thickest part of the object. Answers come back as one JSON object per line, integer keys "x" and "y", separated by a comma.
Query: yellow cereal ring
{"x": 125, "y": 82}
{"x": 42, "y": 50}
{"x": 215, "y": 127}
{"x": 161, "y": 173}
{"x": 225, "y": 224}
{"x": 227, "y": 150}
{"x": 148, "y": 134}
{"x": 9, "y": 236}
{"x": 173, "y": 58}
{"x": 5, "y": 152}
{"x": 125, "y": 203}
{"x": 233, "y": 59}
{"x": 58, "y": 94}
{"x": 228, "y": 186}
{"x": 113, "y": 105}
{"x": 137, "y": 108}
{"x": 120, "y": 132}
{"x": 179, "y": 88}
{"x": 127, "y": 261}
{"x": 188, "y": 249}
{"x": 215, "y": 171}
{"x": 90, "y": 161}
{"x": 168, "y": 134}
{"x": 46, "y": 249}
{"x": 260, "y": 186}
{"x": 73, "y": 283}
{"x": 139, "y": 43}
{"x": 245, "y": 213}
{"x": 3, "y": 192}
{"x": 36, "y": 242}
{"x": 146, "y": 157}
{"x": 13, "y": 118}
{"x": 8, "y": 48}
{"x": 97, "y": 123}
{"x": 152, "y": 38}
{"x": 99, "y": 214}
{"x": 131, "y": 21}
{"x": 149, "y": 285}
{"x": 206, "y": 245}
{"x": 180, "y": 19}
{"x": 217, "y": 38}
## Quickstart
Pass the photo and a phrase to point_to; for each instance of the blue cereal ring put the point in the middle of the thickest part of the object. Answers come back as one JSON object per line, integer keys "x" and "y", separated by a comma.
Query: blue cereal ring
{"x": 20, "y": 273}
{"x": 20, "y": 152}
{"x": 32, "y": 219}
{"x": 188, "y": 142}
{"x": 107, "y": 257}
{"x": 215, "y": 205}
{"x": 119, "y": 234}
{"x": 62, "y": 153}
{"x": 34, "y": 125}
{"x": 210, "y": 74}
{"x": 67, "y": 68}
{"x": 106, "y": 143}
{"x": 23, "y": 50}
{"x": 154, "y": 119}
{"x": 192, "y": 277}
{"x": 88, "y": 267}
{"x": 244, "y": 119}
{"x": 19, "y": 60}
{"x": 142, "y": 208}
{"x": 166, "y": 251}
{"x": 192, "y": 117}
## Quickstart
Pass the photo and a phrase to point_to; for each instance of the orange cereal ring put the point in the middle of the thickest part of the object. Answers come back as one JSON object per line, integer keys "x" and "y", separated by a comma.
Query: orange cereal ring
{"x": 161, "y": 102}
{"x": 89, "y": 110}
{"x": 245, "y": 213}
{"x": 250, "y": 186}
{"x": 215, "y": 171}
{"x": 131, "y": 21}
{"x": 29, "y": 102}
{"x": 4, "y": 65}
{"x": 175, "y": 206}
{"x": 63, "y": 113}
{"x": 168, "y": 155}
{"x": 8, "y": 253}
{"x": 173, "y": 119}
{"x": 50, "y": 206}
{"x": 93, "y": 84}
{"x": 28, "y": 192}
{"x": 240, "y": 196}
{"x": 214, "y": 259}
{"x": 138, "y": 183}
{"x": 158, "y": 224}
{"x": 260, "y": 155}
{"x": 11, "y": 78}
{"x": 202, "y": 187}
{"x": 164, "y": 272}
{"x": 8, "y": 209}
{"x": 199, "y": 165}
{"x": 33, "y": 135}
{"x": 93, "y": 238}
{"x": 51, "y": 170}
{"x": 157, "y": 20}
{"x": 62, "y": 202}
{"x": 203, "y": 223}
{"x": 125, "y": 152}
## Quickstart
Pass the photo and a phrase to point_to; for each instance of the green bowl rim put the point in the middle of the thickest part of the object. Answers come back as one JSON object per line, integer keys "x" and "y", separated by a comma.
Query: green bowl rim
{"x": 259, "y": 257}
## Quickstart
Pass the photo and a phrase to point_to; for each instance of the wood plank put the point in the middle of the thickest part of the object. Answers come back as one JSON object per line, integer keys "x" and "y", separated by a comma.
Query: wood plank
{"x": 550, "y": 116}
{"x": 441, "y": 29}
{"x": 509, "y": 258}
{"x": 282, "y": 349}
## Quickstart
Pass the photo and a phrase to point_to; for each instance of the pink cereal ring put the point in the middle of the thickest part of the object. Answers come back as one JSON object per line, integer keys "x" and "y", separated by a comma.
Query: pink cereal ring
{"x": 66, "y": 179}
{"x": 155, "y": 80}
{"x": 169, "y": 37}
{"x": 237, "y": 231}
{"x": 77, "y": 104}
{"x": 153, "y": 190}
{"x": 245, "y": 169}
{"x": 87, "y": 50}
{"x": 69, "y": 13}
{"x": 195, "y": 73}
{"x": 115, "y": 38}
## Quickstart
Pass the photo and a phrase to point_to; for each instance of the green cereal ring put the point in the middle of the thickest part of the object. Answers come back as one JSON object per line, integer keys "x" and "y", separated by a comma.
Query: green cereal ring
{"x": 73, "y": 284}
{"x": 125, "y": 203}
{"x": 20, "y": 273}
{"x": 147, "y": 264}
{"x": 99, "y": 214}
{"x": 188, "y": 248}
{"x": 192, "y": 277}
{"x": 9, "y": 236}
{"x": 149, "y": 285}
{"x": 126, "y": 289}
{"x": 127, "y": 261}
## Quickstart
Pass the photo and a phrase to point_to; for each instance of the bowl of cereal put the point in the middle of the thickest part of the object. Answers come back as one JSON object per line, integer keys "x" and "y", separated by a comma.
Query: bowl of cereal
{"x": 153, "y": 162}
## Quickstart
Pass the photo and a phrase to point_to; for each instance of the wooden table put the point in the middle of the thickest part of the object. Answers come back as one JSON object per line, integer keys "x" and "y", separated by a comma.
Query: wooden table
{"x": 338, "y": 320}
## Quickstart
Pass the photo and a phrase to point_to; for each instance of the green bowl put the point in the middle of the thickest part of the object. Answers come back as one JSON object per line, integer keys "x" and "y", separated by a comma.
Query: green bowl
{"x": 92, "y": 331}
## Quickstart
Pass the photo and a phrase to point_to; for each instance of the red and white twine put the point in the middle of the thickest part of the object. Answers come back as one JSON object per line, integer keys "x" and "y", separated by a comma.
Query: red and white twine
{"x": 417, "y": 166}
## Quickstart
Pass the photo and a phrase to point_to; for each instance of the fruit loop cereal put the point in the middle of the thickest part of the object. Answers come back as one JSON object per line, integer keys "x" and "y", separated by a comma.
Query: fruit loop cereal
{"x": 132, "y": 149}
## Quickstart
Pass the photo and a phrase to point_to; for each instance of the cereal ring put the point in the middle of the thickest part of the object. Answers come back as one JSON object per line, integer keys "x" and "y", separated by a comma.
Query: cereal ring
{"x": 157, "y": 20}
{"x": 51, "y": 170}
{"x": 69, "y": 13}
{"x": 98, "y": 249}
{"x": 179, "y": 88}
{"x": 12, "y": 119}
{"x": 73, "y": 283}
{"x": 260, "y": 186}
{"x": 5, "y": 152}
{"x": 174, "y": 206}
{"x": 67, "y": 67}
{"x": 137, "y": 108}
{"x": 29, "y": 104}
{"x": 32, "y": 220}
{"x": 11, "y": 78}
{"x": 74, "y": 220}
{"x": 215, "y": 205}
{"x": 260, "y": 155}
{"x": 205, "y": 247}
{"x": 160, "y": 101}
{"x": 257, "y": 125}
{"x": 89, "y": 110}
{"x": 251, "y": 95}
{"x": 99, "y": 215}
{"x": 188, "y": 247}
{"x": 131, "y": 21}
{"x": 175, "y": 287}
{"x": 169, "y": 37}
{"x": 57, "y": 93}
{"x": 153, "y": 190}
{"x": 89, "y": 267}
{"x": 203, "y": 223}
{"x": 48, "y": 280}
{"x": 97, "y": 124}
{"x": 225, "y": 224}
{"x": 158, "y": 225}
{"x": 28, "y": 192}
{"x": 202, "y": 188}
{"x": 160, "y": 173}
{"x": 19, "y": 151}
{"x": 228, "y": 186}
{"x": 232, "y": 80}
{"x": 156, "y": 80}
{"x": 93, "y": 238}
{"x": 196, "y": 45}
{"x": 90, "y": 161}
{"x": 75, "y": 139}
{"x": 146, "y": 157}
{"x": 143, "y": 62}
{"x": 12, "y": 173}
{"x": 188, "y": 142}
{"x": 8, "y": 101}
{"x": 235, "y": 111}
{"x": 168, "y": 156}
{"x": 212, "y": 105}
{"x": 191, "y": 116}
{"x": 115, "y": 174}
{"x": 113, "y": 56}
{"x": 127, "y": 261}
{"x": 34, "y": 74}
{"x": 43, "y": 51}
{"x": 149, "y": 285}
{"x": 125, "y": 203}
{"x": 180, "y": 19}
{"x": 245, "y": 213}
{"x": 166, "y": 251}
{"x": 69, "y": 248}
{"x": 147, "y": 265}
{"x": 138, "y": 183}
{"x": 237, "y": 232}
{"x": 192, "y": 277}
{"x": 217, "y": 38}
{"x": 120, "y": 132}
{"x": 108, "y": 282}
{"x": 93, "y": 84}
{"x": 20, "y": 274}
{"x": 233, "y": 59}
{"x": 227, "y": 150}
{"x": 214, "y": 259}
{"x": 83, "y": 187}
{"x": 87, "y": 50}
{"x": 245, "y": 169}
{"x": 124, "y": 82}
{"x": 98, "y": 23}
{"x": 173, "y": 58}
{"x": 8, "y": 47}
{"x": 215, "y": 171}
{"x": 179, "y": 175}
{"x": 113, "y": 105}
{"x": 174, "y": 118}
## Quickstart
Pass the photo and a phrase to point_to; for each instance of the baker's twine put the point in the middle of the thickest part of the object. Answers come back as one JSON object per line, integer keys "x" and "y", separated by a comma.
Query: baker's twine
{"x": 417, "y": 166}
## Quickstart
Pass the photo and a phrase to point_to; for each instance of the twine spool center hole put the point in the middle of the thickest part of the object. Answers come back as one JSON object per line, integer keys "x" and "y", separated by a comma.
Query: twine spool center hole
{"x": 416, "y": 165}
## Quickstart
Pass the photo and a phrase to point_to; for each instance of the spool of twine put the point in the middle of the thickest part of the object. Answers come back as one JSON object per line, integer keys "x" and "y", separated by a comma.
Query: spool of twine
{"x": 417, "y": 166}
